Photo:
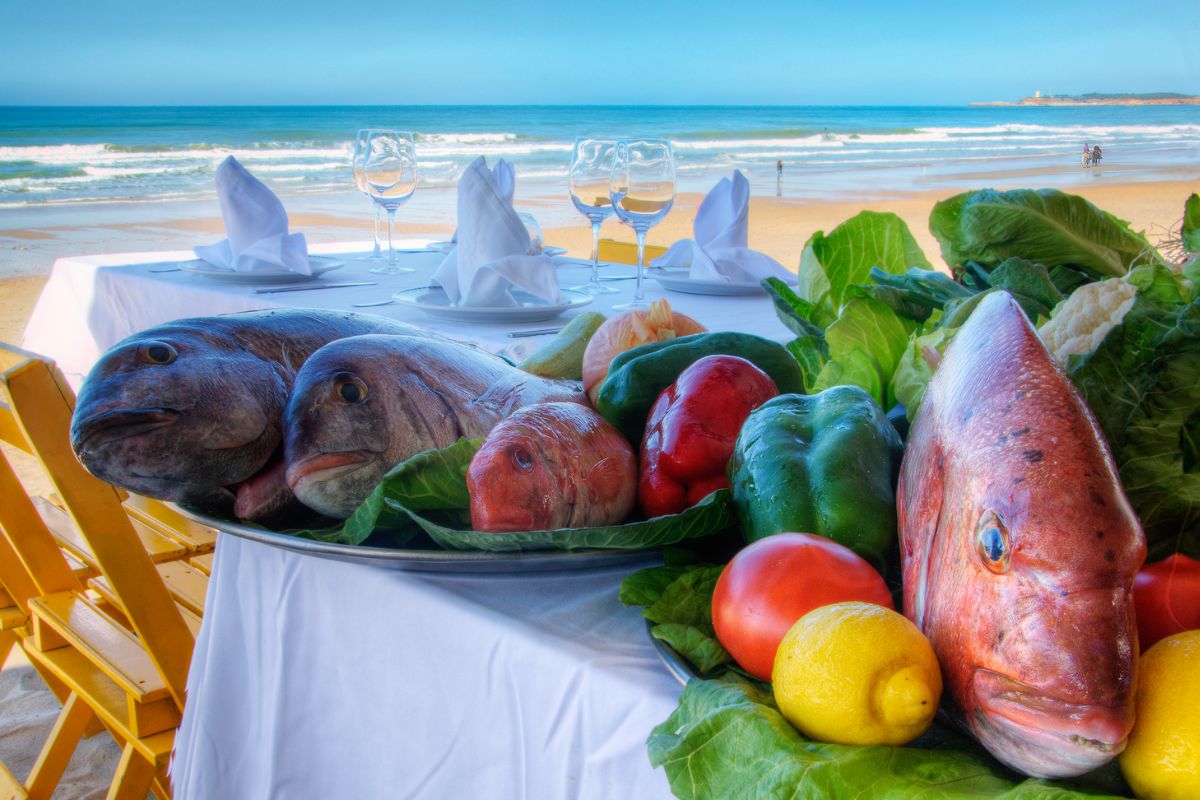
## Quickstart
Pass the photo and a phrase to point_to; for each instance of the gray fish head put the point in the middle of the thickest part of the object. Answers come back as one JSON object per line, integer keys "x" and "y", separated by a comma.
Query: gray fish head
{"x": 345, "y": 413}
{"x": 179, "y": 415}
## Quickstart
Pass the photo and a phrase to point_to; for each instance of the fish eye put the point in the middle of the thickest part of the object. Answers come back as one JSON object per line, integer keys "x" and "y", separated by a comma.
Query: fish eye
{"x": 522, "y": 458}
{"x": 157, "y": 353}
{"x": 993, "y": 543}
{"x": 349, "y": 388}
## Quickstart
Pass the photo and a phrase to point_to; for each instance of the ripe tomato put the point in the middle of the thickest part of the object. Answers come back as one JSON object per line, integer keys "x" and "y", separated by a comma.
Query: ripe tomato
{"x": 772, "y": 583}
{"x": 1166, "y": 597}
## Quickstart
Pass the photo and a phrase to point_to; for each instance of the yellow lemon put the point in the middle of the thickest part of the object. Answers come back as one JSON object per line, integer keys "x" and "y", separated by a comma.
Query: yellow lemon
{"x": 857, "y": 673}
{"x": 1162, "y": 759}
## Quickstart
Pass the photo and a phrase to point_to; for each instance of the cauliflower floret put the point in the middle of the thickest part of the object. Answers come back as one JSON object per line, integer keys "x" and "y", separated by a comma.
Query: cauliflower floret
{"x": 1086, "y": 317}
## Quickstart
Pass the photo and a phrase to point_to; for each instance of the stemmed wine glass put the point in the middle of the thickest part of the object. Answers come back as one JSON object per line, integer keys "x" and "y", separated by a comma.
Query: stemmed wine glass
{"x": 390, "y": 173}
{"x": 591, "y": 169}
{"x": 360, "y": 153}
{"x": 642, "y": 190}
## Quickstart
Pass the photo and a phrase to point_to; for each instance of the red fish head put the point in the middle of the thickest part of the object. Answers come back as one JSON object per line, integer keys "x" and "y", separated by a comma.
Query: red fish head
{"x": 1020, "y": 552}
{"x": 522, "y": 482}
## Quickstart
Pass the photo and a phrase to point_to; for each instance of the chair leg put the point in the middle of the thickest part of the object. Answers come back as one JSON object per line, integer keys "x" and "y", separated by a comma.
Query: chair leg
{"x": 7, "y": 640}
{"x": 162, "y": 783}
{"x": 134, "y": 776}
{"x": 64, "y": 738}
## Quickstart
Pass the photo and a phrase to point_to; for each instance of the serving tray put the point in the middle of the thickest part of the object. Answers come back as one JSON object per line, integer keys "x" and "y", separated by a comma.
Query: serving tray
{"x": 431, "y": 558}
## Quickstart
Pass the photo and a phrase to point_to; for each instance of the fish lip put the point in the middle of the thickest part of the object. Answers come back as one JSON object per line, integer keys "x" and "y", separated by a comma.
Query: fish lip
{"x": 123, "y": 423}
{"x": 327, "y": 466}
{"x": 1071, "y": 728}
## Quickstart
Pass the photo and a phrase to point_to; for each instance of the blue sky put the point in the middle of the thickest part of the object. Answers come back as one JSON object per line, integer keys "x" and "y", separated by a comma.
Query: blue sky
{"x": 538, "y": 51}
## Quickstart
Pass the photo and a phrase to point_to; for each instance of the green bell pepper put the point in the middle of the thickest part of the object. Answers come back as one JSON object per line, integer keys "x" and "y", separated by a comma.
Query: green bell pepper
{"x": 637, "y": 377}
{"x": 824, "y": 464}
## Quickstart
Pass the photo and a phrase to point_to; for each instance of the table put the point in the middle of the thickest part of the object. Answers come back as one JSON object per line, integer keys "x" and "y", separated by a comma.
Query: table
{"x": 319, "y": 679}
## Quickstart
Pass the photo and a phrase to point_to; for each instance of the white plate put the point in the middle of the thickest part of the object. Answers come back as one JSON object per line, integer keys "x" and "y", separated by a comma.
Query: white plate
{"x": 446, "y": 247}
{"x": 532, "y": 309}
{"x": 319, "y": 264}
{"x": 678, "y": 280}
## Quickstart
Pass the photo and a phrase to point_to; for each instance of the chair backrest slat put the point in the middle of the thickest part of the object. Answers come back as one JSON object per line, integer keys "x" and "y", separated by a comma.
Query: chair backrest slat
{"x": 42, "y": 404}
{"x": 31, "y": 563}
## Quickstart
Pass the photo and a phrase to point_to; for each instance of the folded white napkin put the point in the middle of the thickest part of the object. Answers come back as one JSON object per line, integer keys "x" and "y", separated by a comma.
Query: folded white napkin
{"x": 490, "y": 256}
{"x": 257, "y": 227}
{"x": 718, "y": 251}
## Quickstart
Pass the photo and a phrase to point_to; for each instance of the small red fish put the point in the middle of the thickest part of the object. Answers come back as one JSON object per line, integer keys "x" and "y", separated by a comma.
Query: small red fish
{"x": 549, "y": 466}
{"x": 1020, "y": 551}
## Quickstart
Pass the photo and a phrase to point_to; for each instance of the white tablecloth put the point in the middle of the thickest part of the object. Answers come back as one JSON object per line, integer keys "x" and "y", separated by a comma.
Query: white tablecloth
{"x": 319, "y": 679}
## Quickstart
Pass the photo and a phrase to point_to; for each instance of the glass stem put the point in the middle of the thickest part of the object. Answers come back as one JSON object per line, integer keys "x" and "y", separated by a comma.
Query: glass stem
{"x": 595, "y": 251}
{"x": 641, "y": 264}
{"x": 377, "y": 252}
{"x": 391, "y": 247}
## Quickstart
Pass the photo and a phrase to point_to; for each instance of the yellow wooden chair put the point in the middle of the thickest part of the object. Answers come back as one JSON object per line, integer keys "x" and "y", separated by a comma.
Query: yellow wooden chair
{"x": 132, "y": 679}
{"x": 615, "y": 252}
{"x": 32, "y": 565}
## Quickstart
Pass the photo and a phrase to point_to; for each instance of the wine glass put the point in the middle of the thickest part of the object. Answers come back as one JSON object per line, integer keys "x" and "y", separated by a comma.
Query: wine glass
{"x": 360, "y": 153}
{"x": 591, "y": 168}
{"x": 390, "y": 173}
{"x": 642, "y": 190}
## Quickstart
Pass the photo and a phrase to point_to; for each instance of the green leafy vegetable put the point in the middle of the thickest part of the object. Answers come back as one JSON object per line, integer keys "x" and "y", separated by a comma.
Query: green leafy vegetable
{"x": 915, "y": 295}
{"x": 679, "y": 601}
{"x": 728, "y": 739}
{"x": 1029, "y": 284}
{"x": 430, "y": 488}
{"x": 831, "y": 264}
{"x": 1046, "y": 226}
{"x": 865, "y": 345}
{"x": 916, "y": 368}
{"x": 1142, "y": 382}
{"x": 1191, "y": 224}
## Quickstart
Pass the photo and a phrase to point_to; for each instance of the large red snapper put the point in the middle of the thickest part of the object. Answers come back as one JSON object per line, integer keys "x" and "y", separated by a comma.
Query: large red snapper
{"x": 1019, "y": 551}
{"x": 552, "y": 465}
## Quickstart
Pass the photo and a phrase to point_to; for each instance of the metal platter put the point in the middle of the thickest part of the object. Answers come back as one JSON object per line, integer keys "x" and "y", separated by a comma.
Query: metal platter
{"x": 432, "y": 558}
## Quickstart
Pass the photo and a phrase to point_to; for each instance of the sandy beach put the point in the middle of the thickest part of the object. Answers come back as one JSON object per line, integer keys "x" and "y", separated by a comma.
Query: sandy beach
{"x": 778, "y": 226}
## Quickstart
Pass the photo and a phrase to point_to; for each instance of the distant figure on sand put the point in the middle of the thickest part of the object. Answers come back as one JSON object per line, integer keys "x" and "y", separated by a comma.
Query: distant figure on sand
{"x": 779, "y": 177}
{"x": 779, "y": 168}
{"x": 1086, "y": 160}
{"x": 1096, "y": 155}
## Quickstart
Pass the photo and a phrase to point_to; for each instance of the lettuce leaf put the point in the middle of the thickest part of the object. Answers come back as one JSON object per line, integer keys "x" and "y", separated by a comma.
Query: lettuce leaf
{"x": 916, "y": 367}
{"x": 727, "y": 739}
{"x": 1046, "y": 226}
{"x": 831, "y": 264}
{"x": 1142, "y": 383}
{"x": 1191, "y": 224}
{"x": 865, "y": 343}
{"x": 678, "y": 600}
{"x": 430, "y": 488}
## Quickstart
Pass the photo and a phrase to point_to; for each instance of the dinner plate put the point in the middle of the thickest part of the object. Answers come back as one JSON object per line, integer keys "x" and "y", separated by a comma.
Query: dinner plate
{"x": 433, "y": 301}
{"x": 431, "y": 558}
{"x": 446, "y": 247}
{"x": 678, "y": 280}
{"x": 319, "y": 264}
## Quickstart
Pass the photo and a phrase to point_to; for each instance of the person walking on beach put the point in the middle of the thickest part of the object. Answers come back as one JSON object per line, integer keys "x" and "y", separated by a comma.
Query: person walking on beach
{"x": 779, "y": 169}
{"x": 1096, "y": 155}
{"x": 1086, "y": 161}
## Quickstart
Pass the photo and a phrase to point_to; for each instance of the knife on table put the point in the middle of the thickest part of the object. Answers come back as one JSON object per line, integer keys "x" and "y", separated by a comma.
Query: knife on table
{"x": 278, "y": 289}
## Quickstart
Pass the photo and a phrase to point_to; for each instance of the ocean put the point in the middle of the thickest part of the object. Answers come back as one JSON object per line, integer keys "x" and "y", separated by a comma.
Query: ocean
{"x": 54, "y": 156}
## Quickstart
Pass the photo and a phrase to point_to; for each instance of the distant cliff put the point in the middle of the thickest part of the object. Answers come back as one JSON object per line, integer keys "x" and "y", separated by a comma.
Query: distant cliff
{"x": 1097, "y": 99}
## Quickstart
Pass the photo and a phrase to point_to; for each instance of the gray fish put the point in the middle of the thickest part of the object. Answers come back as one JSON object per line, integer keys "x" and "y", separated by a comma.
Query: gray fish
{"x": 191, "y": 410}
{"x": 360, "y": 406}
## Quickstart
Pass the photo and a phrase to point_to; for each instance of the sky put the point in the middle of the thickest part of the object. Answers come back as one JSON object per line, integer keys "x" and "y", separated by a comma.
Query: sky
{"x": 217, "y": 52}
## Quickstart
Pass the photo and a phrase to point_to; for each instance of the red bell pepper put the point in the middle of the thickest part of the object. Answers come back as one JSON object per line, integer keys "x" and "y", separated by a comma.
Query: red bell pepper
{"x": 691, "y": 430}
{"x": 1166, "y": 598}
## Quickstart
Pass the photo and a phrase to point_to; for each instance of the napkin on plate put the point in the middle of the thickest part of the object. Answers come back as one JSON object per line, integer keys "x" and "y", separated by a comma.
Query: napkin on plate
{"x": 490, "y": 256}
{"x": 256, "y": 226}
{"x": 718, "y": 251}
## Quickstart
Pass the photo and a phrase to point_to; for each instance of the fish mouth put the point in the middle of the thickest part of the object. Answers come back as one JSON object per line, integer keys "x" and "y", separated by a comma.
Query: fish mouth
{"x": 328, "y": 466}
{"x": 113, "y": 426}
{"x": 1046, "y": 736}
